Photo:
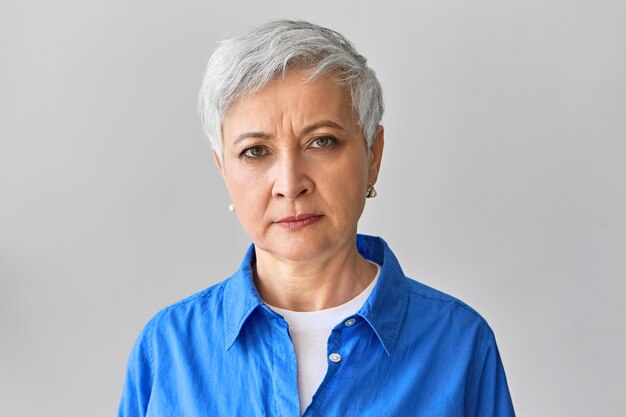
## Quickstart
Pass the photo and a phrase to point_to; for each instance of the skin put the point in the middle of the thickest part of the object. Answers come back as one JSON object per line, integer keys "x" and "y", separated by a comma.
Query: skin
{"x": 296, "y": 148}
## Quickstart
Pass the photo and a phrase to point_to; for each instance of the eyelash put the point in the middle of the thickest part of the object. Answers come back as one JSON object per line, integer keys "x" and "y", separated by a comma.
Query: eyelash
{"x": 331, "y": 141}
{"x": 244, "y": 153}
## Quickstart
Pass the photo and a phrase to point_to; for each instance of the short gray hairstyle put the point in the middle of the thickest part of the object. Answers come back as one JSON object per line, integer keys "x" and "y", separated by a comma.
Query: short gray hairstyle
{"x": 244, "y": 65}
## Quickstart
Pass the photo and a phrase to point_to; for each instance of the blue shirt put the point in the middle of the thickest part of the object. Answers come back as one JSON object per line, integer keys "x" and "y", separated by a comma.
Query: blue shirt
{"x": 413, "y": 351}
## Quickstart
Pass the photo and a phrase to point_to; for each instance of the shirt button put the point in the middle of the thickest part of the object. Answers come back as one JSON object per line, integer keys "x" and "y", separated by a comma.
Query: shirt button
{"x": 350, "y": 322}
{"x": 334, "y": 357}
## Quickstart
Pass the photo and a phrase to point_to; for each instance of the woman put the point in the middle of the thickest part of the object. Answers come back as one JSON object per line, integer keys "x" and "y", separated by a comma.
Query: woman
{"x": 318, "y": 320}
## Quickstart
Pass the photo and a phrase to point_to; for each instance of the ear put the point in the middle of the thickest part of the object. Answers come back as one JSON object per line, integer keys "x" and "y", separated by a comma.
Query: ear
{"x": 376, "y": 154}
{"x": 216, "y": 158}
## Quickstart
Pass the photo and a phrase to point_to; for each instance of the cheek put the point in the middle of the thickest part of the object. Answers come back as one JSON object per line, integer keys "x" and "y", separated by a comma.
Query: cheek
{"x": 348, "y": 185}
{"x": 249, "y": 195}
{"x": 247, "y": 198}
{"x": 244, "y": 183}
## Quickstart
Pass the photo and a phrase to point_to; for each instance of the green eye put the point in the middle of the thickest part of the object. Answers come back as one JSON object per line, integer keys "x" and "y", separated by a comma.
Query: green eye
{"x": 323, "y": 142}
{"x": 255, "y": 152}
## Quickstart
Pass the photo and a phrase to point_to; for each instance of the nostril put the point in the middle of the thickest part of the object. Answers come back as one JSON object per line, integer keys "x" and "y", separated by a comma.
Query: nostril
{"x": 292, "y": 180}
{"x": 291, "y": 191}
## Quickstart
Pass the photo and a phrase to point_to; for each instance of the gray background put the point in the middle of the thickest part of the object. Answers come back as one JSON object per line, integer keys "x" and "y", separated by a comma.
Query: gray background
{"x": 503, "y": 182}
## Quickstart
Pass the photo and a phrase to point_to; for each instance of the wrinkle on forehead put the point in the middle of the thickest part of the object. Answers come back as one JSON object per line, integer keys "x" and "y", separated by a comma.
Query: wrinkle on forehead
{"x": 283, "y": 107}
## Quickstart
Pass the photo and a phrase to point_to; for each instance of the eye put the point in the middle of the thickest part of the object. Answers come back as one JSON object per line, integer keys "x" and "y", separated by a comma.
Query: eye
{"x": 255, "y": 152}
{"x": 323, "y": 142}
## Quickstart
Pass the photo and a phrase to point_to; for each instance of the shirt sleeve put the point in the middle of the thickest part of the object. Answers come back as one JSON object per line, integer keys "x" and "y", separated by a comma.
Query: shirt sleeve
{"x": 492, "y": 392}
{"x": 138, "y": 385}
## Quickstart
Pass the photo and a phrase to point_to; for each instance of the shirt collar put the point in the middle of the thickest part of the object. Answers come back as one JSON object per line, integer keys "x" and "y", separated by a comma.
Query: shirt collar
{"x": 384, "y": 310}
{"x": 241, "y": 297}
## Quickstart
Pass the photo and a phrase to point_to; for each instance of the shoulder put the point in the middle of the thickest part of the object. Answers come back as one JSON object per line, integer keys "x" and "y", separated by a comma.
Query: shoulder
{"x": 437, "y": 311}
{"x": 196, "y": 303}
{"x": 183, "y": 329}
{"x": 199, "y": 309}
{"x": 423, "y": 294}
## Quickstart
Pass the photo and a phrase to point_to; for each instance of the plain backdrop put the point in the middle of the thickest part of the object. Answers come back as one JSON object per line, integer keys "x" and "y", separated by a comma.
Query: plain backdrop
{"x": 503, "y": 182}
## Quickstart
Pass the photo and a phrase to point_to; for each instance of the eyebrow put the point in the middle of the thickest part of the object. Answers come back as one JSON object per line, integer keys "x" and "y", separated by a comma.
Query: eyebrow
{"x": 304, "y": 131}
{"x": 258, "y": 135}
{"x": 322, "y": 123}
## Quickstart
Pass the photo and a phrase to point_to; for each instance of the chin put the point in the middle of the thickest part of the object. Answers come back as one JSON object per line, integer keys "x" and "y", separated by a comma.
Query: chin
{"x": 298, "y": 247}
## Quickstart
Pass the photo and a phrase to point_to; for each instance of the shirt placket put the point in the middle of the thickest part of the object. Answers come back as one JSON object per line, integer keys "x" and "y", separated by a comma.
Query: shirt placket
{"x": 284, "y": 371}
{"x": 338, "y": 351}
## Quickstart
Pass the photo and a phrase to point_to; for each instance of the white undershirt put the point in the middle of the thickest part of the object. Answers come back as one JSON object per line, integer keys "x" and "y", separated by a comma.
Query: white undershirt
{"x": 309, "y": 331}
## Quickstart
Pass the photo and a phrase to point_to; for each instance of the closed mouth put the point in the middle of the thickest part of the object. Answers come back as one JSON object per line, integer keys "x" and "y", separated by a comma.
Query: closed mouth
{"x": 299, "y": 221}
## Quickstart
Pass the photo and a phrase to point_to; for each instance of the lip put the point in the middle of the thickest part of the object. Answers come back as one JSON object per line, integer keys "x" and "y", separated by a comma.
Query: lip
{"x": 299, "y": 221}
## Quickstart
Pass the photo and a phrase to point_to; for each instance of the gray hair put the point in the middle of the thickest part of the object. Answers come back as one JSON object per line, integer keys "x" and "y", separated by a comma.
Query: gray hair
{"x": 244, "y": 65}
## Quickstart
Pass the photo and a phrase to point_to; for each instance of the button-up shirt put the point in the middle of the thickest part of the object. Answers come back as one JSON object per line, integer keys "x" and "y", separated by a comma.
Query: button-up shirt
{"x": 409, "y": 351}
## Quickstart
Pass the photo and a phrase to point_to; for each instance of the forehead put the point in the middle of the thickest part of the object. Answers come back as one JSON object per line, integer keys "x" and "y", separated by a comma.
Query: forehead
{"x": 291, "y": 102}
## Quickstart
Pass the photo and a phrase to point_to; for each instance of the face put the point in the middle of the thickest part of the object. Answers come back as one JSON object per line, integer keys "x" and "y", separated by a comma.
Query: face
{"x": 297, "y": 167}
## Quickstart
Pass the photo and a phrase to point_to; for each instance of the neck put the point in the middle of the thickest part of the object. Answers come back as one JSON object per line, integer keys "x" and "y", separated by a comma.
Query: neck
{"x": 312, "y": 285}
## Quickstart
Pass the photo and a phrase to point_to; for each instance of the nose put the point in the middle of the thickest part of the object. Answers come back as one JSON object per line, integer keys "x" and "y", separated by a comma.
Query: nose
{"x": 292, "y": 178}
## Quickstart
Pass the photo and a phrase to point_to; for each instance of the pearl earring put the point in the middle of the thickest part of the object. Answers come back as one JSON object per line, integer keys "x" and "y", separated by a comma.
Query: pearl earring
{"x": 231, "y": 207}
{"x": 371, "y": 192}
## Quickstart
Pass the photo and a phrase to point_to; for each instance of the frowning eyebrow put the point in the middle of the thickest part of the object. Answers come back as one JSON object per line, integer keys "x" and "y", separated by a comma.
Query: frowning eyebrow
{"x": 304, "y": 131}
{"x": 258, "y": 135}
{"x": 323, "y": 123}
